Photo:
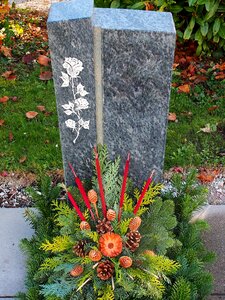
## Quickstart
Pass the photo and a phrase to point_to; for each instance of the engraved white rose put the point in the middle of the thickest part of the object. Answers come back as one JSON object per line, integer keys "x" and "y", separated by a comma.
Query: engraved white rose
{"x": 70, "y": 123}
{"x": 73, "y": 66}
{"x": 74, "y": 107}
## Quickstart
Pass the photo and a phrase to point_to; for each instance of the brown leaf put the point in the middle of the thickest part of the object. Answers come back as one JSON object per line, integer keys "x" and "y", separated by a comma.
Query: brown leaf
{"x": 200, "y": 78}
{"x": 43, "y": 60}
{"x": 220, "y": 67}
{"x": 11, "y": 136}
{"x": 22, "y": 159}
{"x": 47, "y": 75}
{"x": 186, "y": 113}
{"x": 149, "y": 6}
{"x": 2, "y": 122}
{"x": 4, "y": 99}
{"x": 41, "y": 107}
{"x": 31, "y": 114}
{"x": 207, "y": 176}
{"x": 172, "y": 117}
{"x": 14, "y": 99}
{"x": 212, "y": 108}
{"x": 9, "y": 75}
{"x": 184, "y": 88}
{"x": 220, "y": 75}
{"x": 6, "y": 51}
{"x": 28, "y": 58}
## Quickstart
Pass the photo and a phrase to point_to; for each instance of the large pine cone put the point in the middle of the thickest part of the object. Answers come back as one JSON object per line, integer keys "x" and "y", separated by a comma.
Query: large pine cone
{"x": 79, "y": 250}
{"x": 104, "y": 226}
{"x": 105, "y": 270}
{"x": 133, "y": 240}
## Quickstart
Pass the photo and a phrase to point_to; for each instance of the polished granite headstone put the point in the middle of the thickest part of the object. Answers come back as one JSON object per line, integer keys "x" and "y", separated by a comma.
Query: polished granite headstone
{"x": 71, "y": 44}
{"x": 137, "y": 57}
{"x": 121, "y": 60}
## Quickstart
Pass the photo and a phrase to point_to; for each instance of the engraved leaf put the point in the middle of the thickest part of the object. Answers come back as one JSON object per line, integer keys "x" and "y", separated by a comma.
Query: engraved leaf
{"x": 68, "y": 112}
{"x": 84, "y": 124}
{"x": 81, "y": 90}
{"x": 66, "y": 79}
{"x": 70, "y": 123}
{"x": 68, "y": 106}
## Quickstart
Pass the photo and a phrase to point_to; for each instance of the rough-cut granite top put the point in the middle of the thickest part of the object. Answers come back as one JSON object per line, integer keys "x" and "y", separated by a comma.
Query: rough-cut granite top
{"x": 71, "y": 10}
{"x": 129, "y": 19}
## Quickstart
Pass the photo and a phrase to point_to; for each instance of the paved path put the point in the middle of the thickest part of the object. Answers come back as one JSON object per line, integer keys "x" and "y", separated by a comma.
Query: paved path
{"x": 12, "y": 262}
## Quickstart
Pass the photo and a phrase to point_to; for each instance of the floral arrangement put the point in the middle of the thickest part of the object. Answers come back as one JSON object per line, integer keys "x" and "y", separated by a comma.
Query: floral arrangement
{"x": 103, "y": 249}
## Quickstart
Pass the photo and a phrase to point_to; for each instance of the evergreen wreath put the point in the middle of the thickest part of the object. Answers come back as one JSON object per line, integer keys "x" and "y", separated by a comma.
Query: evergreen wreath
{"x": 114, "y": 246}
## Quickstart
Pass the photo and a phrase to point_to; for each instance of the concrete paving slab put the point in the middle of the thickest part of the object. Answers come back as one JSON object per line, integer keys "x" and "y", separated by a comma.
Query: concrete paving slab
{"x": 216, "y": 297}
{"x": 13, "y": 228}
{"x": 215, "y": 241}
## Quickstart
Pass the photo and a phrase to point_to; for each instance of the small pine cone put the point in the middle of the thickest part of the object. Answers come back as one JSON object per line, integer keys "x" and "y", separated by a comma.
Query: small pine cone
{"x": 135, "y": 223}
{"x": 85, "y": 225}
{"x": 104, "y": 226}
{"x": 133, "y": 240}
{"x": 79, "y": 250}
{"x": 92, "y": 196}
{"x": 105, "y": 270}
{"x": 125, "y": 261}
{"x": 111, "y": 214}
{"x": 95, "y": 255}
{"x": 77, "y": 271}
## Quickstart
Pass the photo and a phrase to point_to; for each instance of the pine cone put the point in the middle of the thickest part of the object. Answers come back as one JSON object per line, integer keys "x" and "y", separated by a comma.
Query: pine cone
{"x": 133, "y": 240}
{"x": 104, "y": 226}
{"x": 79, "y": 250}
{"x": 105, "y": 270}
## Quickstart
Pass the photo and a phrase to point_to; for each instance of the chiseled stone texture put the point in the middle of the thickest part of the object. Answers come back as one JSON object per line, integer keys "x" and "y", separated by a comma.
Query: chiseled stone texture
{"x": 137, "y": 52}
{"x": 70, "y": 36}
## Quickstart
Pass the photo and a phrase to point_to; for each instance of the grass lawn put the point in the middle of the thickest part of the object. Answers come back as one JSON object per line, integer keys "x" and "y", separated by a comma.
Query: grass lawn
{"x": 33, "y": 144}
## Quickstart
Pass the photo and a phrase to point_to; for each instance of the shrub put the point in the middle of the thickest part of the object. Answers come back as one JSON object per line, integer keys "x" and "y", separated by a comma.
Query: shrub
{"x": 198, "y": 20}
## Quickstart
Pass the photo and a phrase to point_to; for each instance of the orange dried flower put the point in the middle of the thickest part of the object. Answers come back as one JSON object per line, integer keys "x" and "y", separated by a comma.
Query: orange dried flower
{"x": 95, "y": 255}
{"x": 111, "y": 214}
{"x": 85, "y": 225}
{"x": 77, "y": 271}
{"x": 125, "y": 261}
{"x": 110, "y": 244}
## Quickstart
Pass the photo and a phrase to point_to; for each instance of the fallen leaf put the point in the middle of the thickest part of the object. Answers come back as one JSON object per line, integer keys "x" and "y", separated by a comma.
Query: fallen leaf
{"x": 48, "y": 113}
{"x": 2, "y": 122}
{"x": 22, "y": 159}
{"x": 47, "y": 142}
{"x": 31, "y": 114}
{"x": 6, "y": 74}
{"x": 212, "y": 108}
{"x": 220, "y": 67}
{"x": 11, "y": 136}
{"x": 7, "y": 52}
{"x": 28, "y": 58}
{"x": 4, "y": 99}
{"x": 14, "y": 99}
{"x": 47, "y": 75}
{"x": 209, "y": 128}
{"x": 184, "y": 88}
{"x": 149, "y": 6}
{"x": 43, "y": 60}
{"x": 186, "y": 113}
{"x": 220, "y": 76}
{"x": 4, "y": 174}
{"x": 200, "y": 78}
{"x": 178, "y": 169}
{"x": 175, "y": 66}
{"x": 41, "y": 107}
{"x": 172, "y": 117}
{"x": 207, "y": 176}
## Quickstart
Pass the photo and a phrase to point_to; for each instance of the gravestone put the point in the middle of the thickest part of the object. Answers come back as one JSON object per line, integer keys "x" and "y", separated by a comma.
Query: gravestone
{"x": 71, "y": 43}
{"x": 127, "y": 58}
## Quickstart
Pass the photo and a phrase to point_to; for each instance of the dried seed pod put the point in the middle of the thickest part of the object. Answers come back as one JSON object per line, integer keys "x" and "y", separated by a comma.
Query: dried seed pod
{"x": 77, "y": 271}
{"x": 111, "y": 244}
{"x": 92, "y": 196}
{"x": 149, "y": 252}
{"x": 135, "y": 223}
{"x": 95, "y": 255}
{"x": 111, "y": 214}
{"x": 125, "y": 261}
{"x": 85, "y": 225}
